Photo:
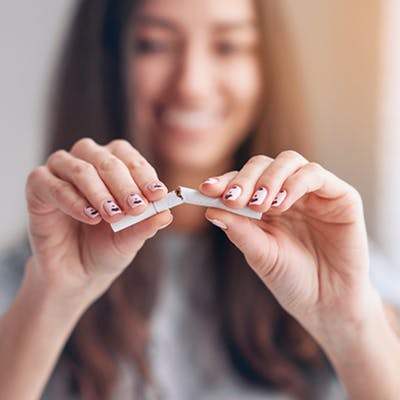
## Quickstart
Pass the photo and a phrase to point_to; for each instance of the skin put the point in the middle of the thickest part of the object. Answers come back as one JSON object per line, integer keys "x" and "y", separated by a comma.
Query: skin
{"x": 191, "y": 57}
{"x": 310, "y": 250}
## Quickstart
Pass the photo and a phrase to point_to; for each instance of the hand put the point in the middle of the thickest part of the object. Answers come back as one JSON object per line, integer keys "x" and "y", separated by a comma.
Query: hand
{"x": 71, "y": 201}
{"x": 310, "y": 248}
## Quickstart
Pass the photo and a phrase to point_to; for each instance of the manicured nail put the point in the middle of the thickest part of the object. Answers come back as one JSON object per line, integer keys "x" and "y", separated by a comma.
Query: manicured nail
{"x": 219, "y": 224}
{"x": 259, "y": 196}
{"x": 134, "y": 200}
{"x": 111, "y": 208}
{"x": 279, "y": 198}
{"x": 154, "y": 186}
{"x": 211, "y": 181}
{"x": 91, "y": 212}
{"x": 233, "y": 193}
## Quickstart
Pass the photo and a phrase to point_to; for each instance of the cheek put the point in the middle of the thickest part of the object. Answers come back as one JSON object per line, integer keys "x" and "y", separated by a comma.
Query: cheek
{"x": 244, "y": 83}
{"x": 147, "y": 80}
{"x": 145, "y": 85}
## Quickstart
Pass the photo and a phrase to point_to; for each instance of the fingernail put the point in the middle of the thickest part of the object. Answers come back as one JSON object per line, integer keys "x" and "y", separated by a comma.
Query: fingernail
{"x": 91, "y": 212}
{"x": 166, "y": 224}
{"x": 219, "y": 224}
{"x": 111, "y": 208}
{"x": 259, "y": 196}
{"x": 211, "y": 181}
{"x": 154, "y": 186}
{"x": 279, "y": 198}
{"x": 233, "y": 193}
{"x": 135, "y": 200}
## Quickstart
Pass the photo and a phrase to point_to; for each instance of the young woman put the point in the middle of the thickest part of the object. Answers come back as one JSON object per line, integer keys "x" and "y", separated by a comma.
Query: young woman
{"x": 155, "y": 94}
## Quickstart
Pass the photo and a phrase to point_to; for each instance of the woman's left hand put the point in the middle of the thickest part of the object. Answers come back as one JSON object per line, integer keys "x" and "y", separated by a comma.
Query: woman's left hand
{"x": 310, "y": 248}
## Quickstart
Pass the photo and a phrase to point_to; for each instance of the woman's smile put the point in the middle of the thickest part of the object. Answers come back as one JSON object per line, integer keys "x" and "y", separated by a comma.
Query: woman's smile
{"x": 195, "y": 123}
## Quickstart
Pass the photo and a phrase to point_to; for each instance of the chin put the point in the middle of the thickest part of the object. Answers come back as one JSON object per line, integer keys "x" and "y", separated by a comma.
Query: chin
{"x": 190, "y": 164}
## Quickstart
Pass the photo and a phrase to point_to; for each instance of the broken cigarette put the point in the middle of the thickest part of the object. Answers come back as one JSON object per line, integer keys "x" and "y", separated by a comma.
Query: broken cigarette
{"x": 181, "y": 195}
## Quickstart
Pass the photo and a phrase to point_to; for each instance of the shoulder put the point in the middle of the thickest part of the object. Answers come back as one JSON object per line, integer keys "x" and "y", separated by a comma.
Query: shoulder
{"x": 12, "y": 264}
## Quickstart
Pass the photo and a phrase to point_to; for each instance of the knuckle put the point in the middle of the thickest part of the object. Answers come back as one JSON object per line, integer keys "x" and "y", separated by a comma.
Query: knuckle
{"x": 82, "y": 168}
{"x": 268, "y": 271}
{"x": 119, "y": 145}
{"x": 82, "y": 145}
{"x": 77, "y": 206}
{"x": 354, "y": 194}
{"x": 109, "y": 164}
{"x": 56, "y": 156}
{"x": 35, "y": 176}
{"x": 290, "y": 155}
{"x": 138, "y": 163}
{"x": 58, "y": 190}
{"x": 259, "y": 158}
{"x": 315, "y": 168}
{"x": 259, "y": 260}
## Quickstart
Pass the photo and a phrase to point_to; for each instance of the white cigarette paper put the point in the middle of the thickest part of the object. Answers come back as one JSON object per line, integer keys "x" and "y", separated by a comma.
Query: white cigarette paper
{"x": 181, "y": 195}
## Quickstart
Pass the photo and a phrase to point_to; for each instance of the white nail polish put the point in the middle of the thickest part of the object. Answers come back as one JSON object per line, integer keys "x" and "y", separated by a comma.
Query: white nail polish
{"x": 134, "y": 200}
{"x": 233, "y": 193}
{"x": 211, "y": 181}
{"x": 279, "y": 198}
{"x": 111, "y": 208}
{"x": 219, "y": 224}
{"x": 259, "y": 196}
{"x": 91, "y": 212}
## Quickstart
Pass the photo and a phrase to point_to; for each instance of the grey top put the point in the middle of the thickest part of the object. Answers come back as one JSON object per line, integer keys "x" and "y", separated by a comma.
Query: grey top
{"x": 187, "y": 356}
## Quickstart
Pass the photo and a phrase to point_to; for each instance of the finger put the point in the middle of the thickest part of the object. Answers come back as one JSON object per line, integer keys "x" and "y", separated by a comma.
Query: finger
{"x": 313, "y": 178}
{"x": 114, "y": 173}
{"x": 268, "y": 189}
{"x": 258, "y": 246}
{"x": 84, "y": 177}
{"x": 131, "y": 239}
{"x": 140, "y": 169}
{"x": 241, "y": 188}
{"x": 46, "y": 192}
{"x": 216, "y": 185}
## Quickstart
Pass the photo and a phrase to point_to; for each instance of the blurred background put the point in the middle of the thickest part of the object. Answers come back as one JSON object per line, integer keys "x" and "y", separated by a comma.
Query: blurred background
{"x": 349, "y": 55}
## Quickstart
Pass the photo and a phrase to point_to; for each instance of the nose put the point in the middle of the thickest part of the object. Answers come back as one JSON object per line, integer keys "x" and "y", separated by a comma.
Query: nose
{"x": 195, "y": 77}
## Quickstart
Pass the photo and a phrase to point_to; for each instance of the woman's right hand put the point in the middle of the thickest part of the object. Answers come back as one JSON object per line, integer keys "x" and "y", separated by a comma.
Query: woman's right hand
{"x": 71, "y": 201}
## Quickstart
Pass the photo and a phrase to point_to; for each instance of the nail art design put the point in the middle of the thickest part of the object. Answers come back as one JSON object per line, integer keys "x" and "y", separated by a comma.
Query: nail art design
{"x": 279, "y": 198}
{"x": 134, "y": 200}
{"x": 211, "y": 181}
{"x": 233, "y": 193}
{"x": 218, "y": 223}
{"x": 111, "y": 208}
{"x": 154, "y": 186}
{"x": 259, "y": 196}
{"x": 91, "y": 212}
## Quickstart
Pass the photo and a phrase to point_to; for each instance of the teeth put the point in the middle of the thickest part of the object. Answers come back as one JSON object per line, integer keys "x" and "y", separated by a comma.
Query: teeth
{"x": 189, "y": 119}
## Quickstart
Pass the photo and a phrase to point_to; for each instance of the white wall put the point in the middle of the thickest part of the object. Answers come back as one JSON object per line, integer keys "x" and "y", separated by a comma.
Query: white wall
{"x": 338, "y": 46}
{"x": 388, "y": 190}
{"x": 30, "y": 33}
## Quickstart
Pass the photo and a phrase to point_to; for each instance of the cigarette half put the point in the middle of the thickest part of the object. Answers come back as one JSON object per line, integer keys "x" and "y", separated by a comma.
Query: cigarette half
{"x": 196, "y": 198}
{"x": 169, "y": 201}
{"x": 181, "y": 195}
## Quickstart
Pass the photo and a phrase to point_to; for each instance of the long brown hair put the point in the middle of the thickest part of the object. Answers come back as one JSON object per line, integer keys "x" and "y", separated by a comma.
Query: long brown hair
{"x": 265, "y": 344}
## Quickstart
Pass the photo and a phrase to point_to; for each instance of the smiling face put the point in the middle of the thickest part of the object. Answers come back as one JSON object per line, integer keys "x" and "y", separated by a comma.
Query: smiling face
{"x": 193, "y": 79}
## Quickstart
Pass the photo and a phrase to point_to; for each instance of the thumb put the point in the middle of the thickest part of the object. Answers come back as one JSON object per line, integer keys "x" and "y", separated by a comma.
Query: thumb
{"x": 257, "y": 245}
